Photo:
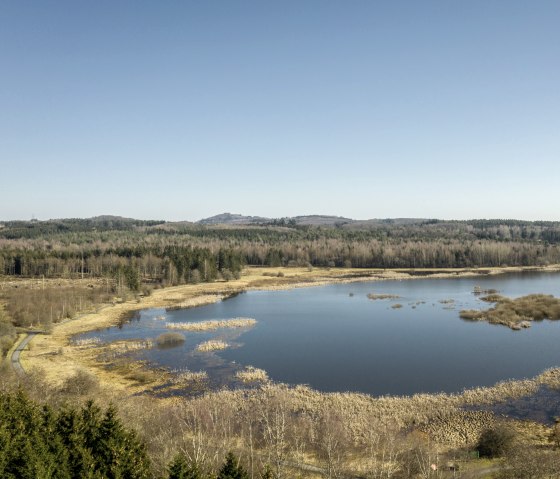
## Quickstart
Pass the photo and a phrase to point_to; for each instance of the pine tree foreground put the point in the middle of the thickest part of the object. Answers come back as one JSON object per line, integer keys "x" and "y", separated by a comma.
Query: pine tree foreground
{"x": 232, "y": 469}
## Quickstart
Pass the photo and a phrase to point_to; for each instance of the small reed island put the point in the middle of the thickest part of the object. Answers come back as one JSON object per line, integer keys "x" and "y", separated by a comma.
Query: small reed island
{"x": 516, "y": 313}
{"x": 377, "y": 296}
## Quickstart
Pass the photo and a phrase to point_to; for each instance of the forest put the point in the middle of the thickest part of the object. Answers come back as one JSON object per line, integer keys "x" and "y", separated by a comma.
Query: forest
{"x": 176, "y": 253}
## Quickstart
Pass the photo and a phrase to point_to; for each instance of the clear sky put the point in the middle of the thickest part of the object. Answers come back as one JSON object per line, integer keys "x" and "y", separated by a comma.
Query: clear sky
{"x": 179, "y": 110}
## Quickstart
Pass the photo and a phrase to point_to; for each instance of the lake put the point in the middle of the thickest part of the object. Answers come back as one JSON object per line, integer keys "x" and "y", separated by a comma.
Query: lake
{"x": 334, "y": 338}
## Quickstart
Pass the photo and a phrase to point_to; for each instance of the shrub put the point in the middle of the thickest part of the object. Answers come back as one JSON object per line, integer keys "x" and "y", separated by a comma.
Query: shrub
{"x": 167, "y": 340}
{"x": 7, "y": 334}
{"x": 555, "y": 433}
{"x": 81, "y": 383}
{"x": 495, "y": 442}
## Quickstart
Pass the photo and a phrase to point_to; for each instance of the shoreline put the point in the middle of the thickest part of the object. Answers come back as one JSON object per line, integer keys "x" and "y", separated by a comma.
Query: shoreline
{"x": 58, "y": 359}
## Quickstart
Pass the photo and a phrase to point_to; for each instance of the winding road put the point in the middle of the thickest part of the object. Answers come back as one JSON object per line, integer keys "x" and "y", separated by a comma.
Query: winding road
{"x": 16, "y": 364}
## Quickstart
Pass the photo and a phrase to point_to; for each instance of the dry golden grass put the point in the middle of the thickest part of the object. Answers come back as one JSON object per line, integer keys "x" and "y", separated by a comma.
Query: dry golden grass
{"x": 122, "y": 347}
{"x": 213, "y": 324}
{"x": 516, "y": 313}
{"x": 87, "y": 342}
{"x": 251, "y": 374}
{"x": 212, "y": 345}
{"x": 185, "y": 376}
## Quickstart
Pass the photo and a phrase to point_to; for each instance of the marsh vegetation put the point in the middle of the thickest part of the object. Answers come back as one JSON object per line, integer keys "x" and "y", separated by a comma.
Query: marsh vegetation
{"x": 516, "y": 313}
{"x": 212, "y": 325}
{"x": 251, "y": 374}
{"x": 212, "y": 345}
{"x": 376, "y": 296}
{"x": 299, "y": 432}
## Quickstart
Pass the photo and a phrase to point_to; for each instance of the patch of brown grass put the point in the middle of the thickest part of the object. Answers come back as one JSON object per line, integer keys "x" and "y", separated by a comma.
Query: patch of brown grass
{"x": 374, "y": 296}
{"x": 251, "y": 374}
{"x": 516, "y": 313}
{"x": 212, "y": 345}
{"x": 212, "y": 325}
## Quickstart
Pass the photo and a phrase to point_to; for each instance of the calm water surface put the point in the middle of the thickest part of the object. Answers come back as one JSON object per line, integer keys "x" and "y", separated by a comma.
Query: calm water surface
{"x": 336, "y": 339}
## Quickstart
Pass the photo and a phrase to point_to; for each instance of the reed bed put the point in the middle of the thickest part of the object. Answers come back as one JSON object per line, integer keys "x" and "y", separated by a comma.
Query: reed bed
{"x": 212, "y": 325}
{"x": 123, "y": 347}
{"x": 201, "y": 300}
{"x": 550, "y": 377}
{"x": 477, "y": 290}
{"x": 442, "y": 416}
{"x": 87, "y": 342}
{"x": 374, "y": 296}
{"x": 212, "y": 345}
{"x": 446, "y": 301}
{"x": 459, "y": 428}
{"x": 182, "y": 376}
{"x": 251, "y": 374}
{"x": 516, "y": 313}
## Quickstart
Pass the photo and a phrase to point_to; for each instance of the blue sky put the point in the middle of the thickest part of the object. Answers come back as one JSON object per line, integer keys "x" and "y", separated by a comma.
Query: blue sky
{"x": 180, "y": 109}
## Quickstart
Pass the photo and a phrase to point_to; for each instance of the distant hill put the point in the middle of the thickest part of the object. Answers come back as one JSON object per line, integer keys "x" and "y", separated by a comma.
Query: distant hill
{"x": 305, "y": 220}
{"x": 233, "y": 219}
{"x": 35, "y": 228}
{"x": 322, "y": 220}
{"x": 105, "y": 218}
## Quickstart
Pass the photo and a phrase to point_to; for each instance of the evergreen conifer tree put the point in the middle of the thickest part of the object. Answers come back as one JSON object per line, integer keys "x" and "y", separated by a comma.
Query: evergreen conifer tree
{"x": 232, "y": 469}
{"x": 181, "y": 469}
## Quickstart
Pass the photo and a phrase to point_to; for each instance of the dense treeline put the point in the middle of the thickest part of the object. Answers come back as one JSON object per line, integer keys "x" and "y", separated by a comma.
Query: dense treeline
{"x": 34, "y": 229}
{"x": 169, "y": 263}
{"x": 42, "y": 307}
{"x": 176, "y": 253}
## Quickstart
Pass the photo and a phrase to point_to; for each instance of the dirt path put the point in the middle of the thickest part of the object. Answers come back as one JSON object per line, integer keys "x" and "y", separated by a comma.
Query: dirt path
{"x": 15, "y": 359}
